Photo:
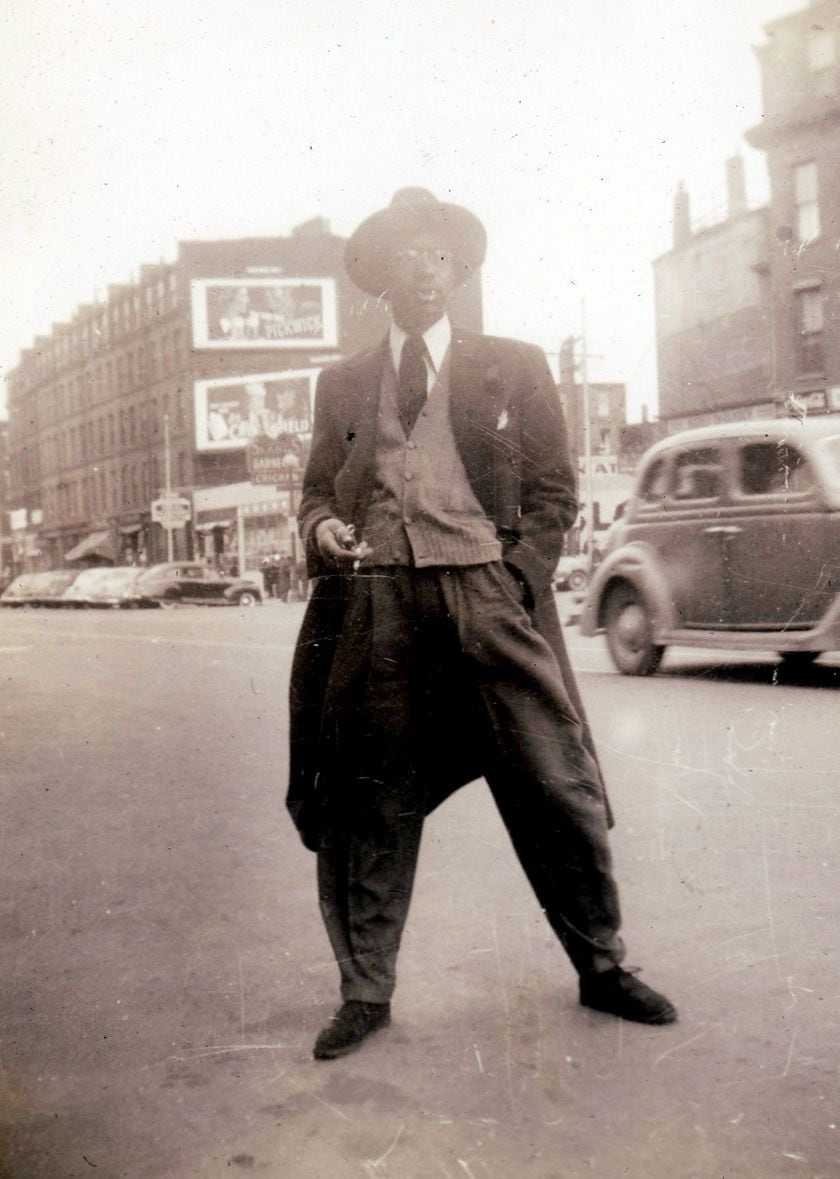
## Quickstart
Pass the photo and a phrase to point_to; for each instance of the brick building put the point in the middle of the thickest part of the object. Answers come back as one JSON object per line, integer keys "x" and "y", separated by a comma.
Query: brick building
{"x": 607, "y": 413}
{"x": 205, "y": 352}
{"x": 800, "y": 135}
{"x": 5, "y": 537}
{"x": 748, "y": 308}
{"x": 713, "y": 327}
{"x": 610, "y": 483}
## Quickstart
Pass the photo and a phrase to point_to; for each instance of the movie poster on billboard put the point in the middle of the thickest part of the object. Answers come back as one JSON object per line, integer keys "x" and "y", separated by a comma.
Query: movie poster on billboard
{"x": 231, "y": 411}
{"x": 241, "y": 313}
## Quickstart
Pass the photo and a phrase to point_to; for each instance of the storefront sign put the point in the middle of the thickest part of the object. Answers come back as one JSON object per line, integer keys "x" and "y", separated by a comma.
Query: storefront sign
{"x": 264, "y": 313}
{"x": 230, "y": 411}
{"x": 800, "y": 404}
{"x": 279, "y": 461}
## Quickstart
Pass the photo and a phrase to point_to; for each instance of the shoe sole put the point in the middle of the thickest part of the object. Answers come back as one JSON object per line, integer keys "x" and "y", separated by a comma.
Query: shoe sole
{"x": 666, "y": 1016}
{"x": 348, "y": 1048}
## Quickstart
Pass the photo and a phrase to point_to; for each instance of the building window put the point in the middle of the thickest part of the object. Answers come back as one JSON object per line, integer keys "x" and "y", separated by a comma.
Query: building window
{"x": 809, "y": 322}
{"x": 603, "y": 405}
{"x": 806, "y": 196}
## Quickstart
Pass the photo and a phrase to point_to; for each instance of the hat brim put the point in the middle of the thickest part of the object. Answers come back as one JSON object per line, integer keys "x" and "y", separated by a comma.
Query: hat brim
{"x": 369, "y": 251}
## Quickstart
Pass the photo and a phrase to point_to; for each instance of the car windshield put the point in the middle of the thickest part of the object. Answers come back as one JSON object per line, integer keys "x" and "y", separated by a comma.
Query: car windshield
{"x": 155, "y": 573}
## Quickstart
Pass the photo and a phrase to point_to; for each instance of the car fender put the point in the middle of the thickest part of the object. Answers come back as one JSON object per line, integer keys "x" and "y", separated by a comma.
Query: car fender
{"x": 638, "y": 565}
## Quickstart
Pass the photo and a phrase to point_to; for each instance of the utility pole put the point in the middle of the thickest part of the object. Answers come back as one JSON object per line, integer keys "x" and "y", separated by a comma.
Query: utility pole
{"x": 167, "y": 467}
{"x": 589, "y": 498}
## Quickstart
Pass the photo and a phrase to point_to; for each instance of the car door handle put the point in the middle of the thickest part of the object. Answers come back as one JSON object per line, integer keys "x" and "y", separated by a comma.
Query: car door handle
{"x": 723, "y": 530}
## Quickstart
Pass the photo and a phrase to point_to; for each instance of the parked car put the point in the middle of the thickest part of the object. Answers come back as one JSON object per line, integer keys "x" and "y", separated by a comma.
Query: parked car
{"x": 191, "y": 582}
{"x": 107, "y": 586}
{"x": 38, "y": 589}
{"x": 732, "y": 540}
{"x": 571, "y": 573}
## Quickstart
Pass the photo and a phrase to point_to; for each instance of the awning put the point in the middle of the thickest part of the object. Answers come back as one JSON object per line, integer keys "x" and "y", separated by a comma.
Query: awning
{"x": 130, "y": 529}
{"x": 210, "y": 525}
{"x": 97, "y": 542}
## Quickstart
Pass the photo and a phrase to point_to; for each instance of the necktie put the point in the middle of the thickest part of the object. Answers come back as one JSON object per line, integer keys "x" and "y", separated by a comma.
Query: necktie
{"x": 412, "y": 381}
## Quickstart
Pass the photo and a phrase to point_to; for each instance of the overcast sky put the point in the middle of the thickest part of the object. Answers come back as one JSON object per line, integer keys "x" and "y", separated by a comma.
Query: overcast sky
{"x": 564, "y": 124}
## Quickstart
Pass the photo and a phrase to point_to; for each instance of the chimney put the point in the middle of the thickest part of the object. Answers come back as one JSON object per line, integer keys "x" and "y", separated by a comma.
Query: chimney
{"x": 736, "y": 188}
{"x": 682, "y": 217}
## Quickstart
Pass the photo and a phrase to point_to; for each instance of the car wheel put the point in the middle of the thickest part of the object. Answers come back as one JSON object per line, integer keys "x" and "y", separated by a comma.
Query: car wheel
{"x": 167, "y": 603}
{"x": 246, "y": 598}
{"x": 576, "y": 579}
{"x": 629, "y": 631}
{"x": 798, "y": 659}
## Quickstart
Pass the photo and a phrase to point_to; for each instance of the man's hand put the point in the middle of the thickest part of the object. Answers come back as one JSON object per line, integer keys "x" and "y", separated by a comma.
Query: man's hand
{"x": 336, "y": 542}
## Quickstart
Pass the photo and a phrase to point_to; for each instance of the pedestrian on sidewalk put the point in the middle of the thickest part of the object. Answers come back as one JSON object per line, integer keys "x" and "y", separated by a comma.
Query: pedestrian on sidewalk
{"x": 269, "y": 573}
{"x": 282, "y": 577}
{"x": 435, "y": 501}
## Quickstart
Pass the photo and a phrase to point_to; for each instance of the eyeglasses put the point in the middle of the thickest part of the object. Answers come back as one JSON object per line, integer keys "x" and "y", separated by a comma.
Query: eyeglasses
{"x": 435, "y": 255}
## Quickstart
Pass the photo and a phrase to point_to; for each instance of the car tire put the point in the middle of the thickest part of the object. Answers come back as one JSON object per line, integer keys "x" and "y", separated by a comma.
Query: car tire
{"x": 167, "y": 603}
{"x": 576, "y": 580}
{"x": 629, "y": 631}
{"x": 246, "y": 598}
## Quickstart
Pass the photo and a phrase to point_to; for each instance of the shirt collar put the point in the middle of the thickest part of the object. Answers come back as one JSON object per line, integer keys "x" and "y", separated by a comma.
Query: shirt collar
{"x": 437, "y": 339}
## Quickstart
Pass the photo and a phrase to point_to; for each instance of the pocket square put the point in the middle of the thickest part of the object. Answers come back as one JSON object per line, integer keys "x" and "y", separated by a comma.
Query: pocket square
{"x": 501, "y": 424}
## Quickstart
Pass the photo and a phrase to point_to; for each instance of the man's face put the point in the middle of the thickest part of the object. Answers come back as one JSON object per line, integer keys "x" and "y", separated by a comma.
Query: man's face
{"x": 422, "y": 279}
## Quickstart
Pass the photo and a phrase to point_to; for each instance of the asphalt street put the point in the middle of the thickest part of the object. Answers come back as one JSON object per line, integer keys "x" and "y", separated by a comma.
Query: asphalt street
{"x": 164, "y": 969}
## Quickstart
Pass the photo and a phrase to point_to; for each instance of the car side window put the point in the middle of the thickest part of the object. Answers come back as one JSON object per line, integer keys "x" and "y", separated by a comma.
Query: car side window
{"x": 773, "y": 468}
{"x": 697, "y": 474}
{"x": 654, "y": 485}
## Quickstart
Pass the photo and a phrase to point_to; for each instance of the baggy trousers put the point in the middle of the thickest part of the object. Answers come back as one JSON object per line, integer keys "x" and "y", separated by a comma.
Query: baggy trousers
{"x": 409, "y": 632}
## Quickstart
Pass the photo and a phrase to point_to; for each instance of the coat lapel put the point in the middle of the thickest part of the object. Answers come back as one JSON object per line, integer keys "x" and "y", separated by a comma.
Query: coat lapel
{"x": 482, "y": 418}
{"x": 363, "y": 388}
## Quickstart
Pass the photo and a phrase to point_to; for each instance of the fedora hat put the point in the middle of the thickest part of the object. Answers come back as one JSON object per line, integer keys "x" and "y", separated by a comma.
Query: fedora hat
{"x": 369, "y": 251}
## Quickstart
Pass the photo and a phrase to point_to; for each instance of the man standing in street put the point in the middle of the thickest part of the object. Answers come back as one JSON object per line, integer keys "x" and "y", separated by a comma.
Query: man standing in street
{"x": 435, "y": 502}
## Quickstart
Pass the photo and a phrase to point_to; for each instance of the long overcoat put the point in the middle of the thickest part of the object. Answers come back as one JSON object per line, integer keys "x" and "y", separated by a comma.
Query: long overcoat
{"x": 509, "y": 430}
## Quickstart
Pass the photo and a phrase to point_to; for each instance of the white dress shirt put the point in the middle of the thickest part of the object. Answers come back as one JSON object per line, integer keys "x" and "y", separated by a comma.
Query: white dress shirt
{"x": 436, "y": 338}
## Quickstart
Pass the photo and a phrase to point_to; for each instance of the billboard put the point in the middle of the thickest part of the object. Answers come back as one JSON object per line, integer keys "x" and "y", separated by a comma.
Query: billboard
{"x": 230, "y": 411}
{"x": 264, "y": 313}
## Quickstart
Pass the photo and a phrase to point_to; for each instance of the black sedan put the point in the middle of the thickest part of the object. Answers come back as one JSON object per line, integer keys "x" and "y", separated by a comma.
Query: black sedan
{"x": 190, "y": 582}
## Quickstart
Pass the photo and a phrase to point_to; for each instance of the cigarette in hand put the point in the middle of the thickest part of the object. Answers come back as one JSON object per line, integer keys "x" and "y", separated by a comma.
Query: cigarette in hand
{"x": 347, "y": 539}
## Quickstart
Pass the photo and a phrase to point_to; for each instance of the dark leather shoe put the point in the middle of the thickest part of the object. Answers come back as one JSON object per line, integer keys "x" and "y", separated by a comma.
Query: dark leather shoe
{"x": 349, "y": 1027}
{"x": 618, "y": 992}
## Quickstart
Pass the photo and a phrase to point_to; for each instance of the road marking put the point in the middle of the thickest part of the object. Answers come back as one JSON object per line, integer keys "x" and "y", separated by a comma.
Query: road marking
{"x": 7, "y": 650}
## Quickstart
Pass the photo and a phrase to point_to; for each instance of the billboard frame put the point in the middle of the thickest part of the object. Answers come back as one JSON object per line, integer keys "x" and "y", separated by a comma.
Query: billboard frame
{"x": 260, "y": 327}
